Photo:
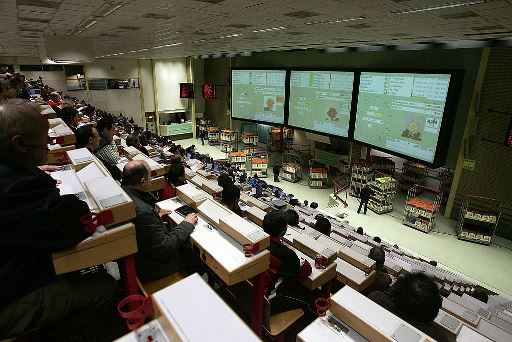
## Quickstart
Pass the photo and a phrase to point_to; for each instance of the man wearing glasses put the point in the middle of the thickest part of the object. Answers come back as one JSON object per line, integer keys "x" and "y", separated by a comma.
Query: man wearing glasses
{"x": 37, "y": 221}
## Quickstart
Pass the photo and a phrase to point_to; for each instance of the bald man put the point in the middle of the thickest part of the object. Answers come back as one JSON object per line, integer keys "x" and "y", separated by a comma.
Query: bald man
{"x": 160, "y": 253}
{"x": 37, "y": 221}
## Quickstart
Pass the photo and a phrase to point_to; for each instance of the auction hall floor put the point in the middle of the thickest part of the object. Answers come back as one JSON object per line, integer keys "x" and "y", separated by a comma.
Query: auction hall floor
{"x": 486, "y": 265}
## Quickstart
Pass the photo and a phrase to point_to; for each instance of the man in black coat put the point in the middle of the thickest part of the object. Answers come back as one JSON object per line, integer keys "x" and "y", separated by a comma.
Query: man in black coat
{"x": 37, "y": 221}
{"x": 160, "y": 251}
{"x": 366, "y": 193}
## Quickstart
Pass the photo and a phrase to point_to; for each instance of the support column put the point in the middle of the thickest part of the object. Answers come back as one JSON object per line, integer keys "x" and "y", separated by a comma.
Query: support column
{"x": 472, "y": 111}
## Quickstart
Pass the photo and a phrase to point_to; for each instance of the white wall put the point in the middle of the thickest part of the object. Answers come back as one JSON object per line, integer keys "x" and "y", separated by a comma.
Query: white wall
{"x": 126, "y": 101}
{"x": 146, "y": 81}
{"x": 169, "y": 73}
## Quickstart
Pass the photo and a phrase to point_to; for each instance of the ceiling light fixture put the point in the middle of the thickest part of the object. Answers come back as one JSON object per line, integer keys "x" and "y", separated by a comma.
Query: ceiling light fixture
{"x": 231, "y": 36}
{"x": 440, "y": 7}
{"x": 271, "y": 29}
{"x": 90, "y": 24}
{"x": 336, "y": 21}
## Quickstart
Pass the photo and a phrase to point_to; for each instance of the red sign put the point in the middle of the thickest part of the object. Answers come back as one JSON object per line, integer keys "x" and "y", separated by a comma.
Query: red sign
{"x": 209, "y": 92}
{"x": 187, "y": 90}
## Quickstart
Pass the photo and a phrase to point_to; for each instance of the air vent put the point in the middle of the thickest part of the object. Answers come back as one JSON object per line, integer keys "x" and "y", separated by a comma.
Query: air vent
{"x": 460, "y": 15}
{"x": 359, "y": 26}
{"x": 39, "y": 3}
{"x": 156, "y": 16}
{"x": 301, "y": 14}
{"x": 240, "y": 26}
{"x": 211, "y": 1}
{"x": 489, "y": 28}
{"x": 487, "y": 33}
{"x": 129, "y": 28}
{"x": 33, "y": 20}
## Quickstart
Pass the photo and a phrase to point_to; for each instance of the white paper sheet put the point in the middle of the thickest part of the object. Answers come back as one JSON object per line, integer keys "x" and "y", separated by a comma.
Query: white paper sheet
{"x": 106, "y": 190}
{"x": 467, "y": 334}
{"x": 80, "y": 155}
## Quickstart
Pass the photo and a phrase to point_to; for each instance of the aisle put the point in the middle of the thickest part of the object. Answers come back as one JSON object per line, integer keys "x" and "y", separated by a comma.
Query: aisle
{"x": 486, "y": 265}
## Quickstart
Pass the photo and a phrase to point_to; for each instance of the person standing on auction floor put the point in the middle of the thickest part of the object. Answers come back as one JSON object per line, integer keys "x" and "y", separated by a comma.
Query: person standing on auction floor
{"x": 366, "y": 193}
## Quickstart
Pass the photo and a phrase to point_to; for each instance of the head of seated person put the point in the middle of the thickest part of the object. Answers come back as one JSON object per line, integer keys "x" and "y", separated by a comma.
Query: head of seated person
{"x": 105, "y": 127}
{"x": 292, "y": 218}
{"x": 133, "y": 140}
{"x": 176, "y": 160}
{"x": 323, "y": 225}
{"x": 23, "y": 133}
{"x": 176, "y": 175}
{"x": 416, "y": 297}
{"x": 275, "y": 224}
{"x": 231, "y": 196}
{"x": 70, "y": 116}
{"x": 87, "y": 136}
{"x": 360, "y": 230}
{"x": 481, "y": 295}
{"x": 224, "y": 179}
{"x": 136, "y": 174}
{"x": 378, "y": 255}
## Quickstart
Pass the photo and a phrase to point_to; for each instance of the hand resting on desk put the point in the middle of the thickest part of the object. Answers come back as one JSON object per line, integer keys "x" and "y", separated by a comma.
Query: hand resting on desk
{"x": 164, "y": 212}
{"x": 191, "y": 218}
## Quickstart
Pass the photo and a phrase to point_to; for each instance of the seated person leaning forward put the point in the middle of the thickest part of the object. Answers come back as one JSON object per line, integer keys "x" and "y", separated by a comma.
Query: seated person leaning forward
{"x": 37, "y": 221}
{"x": 416, "y": 299}
{"x": 160, "y": 248}
{"x": 283, "y": 287}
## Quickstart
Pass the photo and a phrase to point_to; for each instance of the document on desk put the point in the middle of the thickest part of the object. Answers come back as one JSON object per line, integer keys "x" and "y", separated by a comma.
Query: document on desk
{"x": 81, "y": 155}
{"x": 90, "y": 172}
{"x": 152, "y": 164}
{"x": 199, "y": 314}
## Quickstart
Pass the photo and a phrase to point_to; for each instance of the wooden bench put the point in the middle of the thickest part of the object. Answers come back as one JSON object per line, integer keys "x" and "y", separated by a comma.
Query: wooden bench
{"x": 151, "y": 286}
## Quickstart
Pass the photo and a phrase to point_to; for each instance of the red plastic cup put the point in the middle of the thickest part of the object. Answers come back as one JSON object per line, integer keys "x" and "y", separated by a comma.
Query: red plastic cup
{"x": 248, "y": 247}
{"x": 135, "y": 309}
{"x": 322, "y": 305}
{"x": 320, "y": 262}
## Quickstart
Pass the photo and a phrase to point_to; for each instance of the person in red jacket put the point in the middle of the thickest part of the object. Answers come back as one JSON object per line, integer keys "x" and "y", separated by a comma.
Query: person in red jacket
{"x": 286, "y": 270}
{"x": 175, "y": 177}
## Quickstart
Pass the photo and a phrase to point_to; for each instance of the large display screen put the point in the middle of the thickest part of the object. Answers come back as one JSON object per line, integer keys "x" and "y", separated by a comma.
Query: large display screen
{"x": 402, "y": 112}
{"x": 258, "y": 95}
{"x": 320, "y": 101}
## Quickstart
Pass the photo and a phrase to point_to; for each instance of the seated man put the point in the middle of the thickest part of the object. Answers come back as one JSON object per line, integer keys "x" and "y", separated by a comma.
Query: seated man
{"x": 133, "y": 140}
{"x": 159, "y": 248}
{"x": 286, "y": 269}
{"x": 37, "y": 221}
{"x": 292, "y": 218}
{"x": 107, "y": 150}
{"x": 323, "y": 225}
{"x": 382, "y": 278}
{"x": 415, "y": 298}
{"x": 87, "y": 136}
{"x": 70, "y": 117}
{"x": 230, "y": 198}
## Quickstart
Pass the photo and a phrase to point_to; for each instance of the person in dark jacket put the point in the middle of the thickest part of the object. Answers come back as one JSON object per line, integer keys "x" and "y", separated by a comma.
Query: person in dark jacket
{"x": 415, "y": 298}
{"x": 133, "y": 140}
{"x": 382, "y": 278}
{"x": 37, "y": 221}
{"x": 231, "y": 197}
{"x": 159, "y": 247}
{"x": 285, "y": 270}
{"x": 366, "y": 193}
{"x": 276, "y": 170}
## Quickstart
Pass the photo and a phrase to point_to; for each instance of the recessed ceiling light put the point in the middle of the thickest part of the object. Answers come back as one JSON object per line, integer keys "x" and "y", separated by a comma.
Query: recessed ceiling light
{"x": 441, "y": 6}
{"x": 271, "y": 29}
{"x": 336, "y": 21}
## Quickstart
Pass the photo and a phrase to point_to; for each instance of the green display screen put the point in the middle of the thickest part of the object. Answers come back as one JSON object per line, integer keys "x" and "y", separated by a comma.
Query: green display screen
{"x": 401, "y": 112}
{"x": 320, "y": 101}
{"x": 258, "y": 95}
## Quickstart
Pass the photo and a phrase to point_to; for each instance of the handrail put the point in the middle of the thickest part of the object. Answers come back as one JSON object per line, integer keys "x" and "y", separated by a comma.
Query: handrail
{"x": 338, "y": 187}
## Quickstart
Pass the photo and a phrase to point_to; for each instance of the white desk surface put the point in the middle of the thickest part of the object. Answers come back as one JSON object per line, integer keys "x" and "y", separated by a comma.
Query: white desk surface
{"x": 219, "y": 245}
{"x": 197, "y": 313}
{"x": 321, "y": 330}
{"x": 466, "y": 334}
{"x": 350, "y": 271}
{"x": 315, "y": 272}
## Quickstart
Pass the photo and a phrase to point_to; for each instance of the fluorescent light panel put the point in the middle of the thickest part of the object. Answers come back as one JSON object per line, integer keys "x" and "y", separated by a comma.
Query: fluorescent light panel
{"x": 440, "y": 7}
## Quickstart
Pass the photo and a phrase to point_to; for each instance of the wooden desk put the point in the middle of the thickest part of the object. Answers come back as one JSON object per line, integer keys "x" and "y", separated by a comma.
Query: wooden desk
{"x": 118, "y": 242}
{"x": 225, "y": 257}
{"x": 352, "y": 276}
{"x": 254, "y": 202}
